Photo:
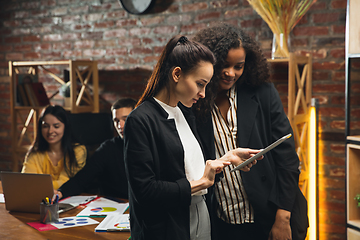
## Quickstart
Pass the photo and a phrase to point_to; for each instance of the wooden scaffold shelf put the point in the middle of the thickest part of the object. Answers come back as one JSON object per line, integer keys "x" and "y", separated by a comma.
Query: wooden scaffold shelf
{"x": 84, "y": 97}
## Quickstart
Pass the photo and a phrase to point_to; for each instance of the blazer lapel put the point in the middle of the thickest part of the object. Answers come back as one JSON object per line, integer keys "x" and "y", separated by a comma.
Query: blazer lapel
{"x": 247, "y": 109}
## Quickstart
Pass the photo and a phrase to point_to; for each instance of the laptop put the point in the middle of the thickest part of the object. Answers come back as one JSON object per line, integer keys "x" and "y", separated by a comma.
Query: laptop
{"x": 23, "y": 192}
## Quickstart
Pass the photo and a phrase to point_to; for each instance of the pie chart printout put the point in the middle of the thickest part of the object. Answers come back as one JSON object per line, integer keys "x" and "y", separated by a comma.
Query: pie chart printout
{"x": 103, "y": 209}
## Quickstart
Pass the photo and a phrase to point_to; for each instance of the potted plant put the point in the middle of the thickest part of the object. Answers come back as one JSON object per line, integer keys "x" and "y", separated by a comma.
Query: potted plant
{"x": 357, "y": 198}
{"x": 65, "y": 92}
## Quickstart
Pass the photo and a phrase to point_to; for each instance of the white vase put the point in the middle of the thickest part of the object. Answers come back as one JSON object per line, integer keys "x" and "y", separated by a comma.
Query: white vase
{"x": 280, "y": 46}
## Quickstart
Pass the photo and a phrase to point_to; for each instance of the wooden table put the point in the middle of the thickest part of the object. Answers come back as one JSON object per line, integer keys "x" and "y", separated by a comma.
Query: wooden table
{"x": 14, "y": 226}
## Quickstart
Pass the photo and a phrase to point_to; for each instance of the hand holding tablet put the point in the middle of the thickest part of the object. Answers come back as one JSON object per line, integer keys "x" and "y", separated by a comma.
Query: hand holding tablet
{"x": 256, "y": 156}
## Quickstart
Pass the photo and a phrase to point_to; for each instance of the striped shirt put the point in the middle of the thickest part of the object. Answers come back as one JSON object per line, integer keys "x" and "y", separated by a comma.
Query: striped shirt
{"x": 234, "y": 206}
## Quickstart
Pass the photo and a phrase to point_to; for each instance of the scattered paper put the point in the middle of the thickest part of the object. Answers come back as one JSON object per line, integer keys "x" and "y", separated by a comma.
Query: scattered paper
{"x": 79, "y": 199}
{"x": 96, "y": 209}
{"x": 113, "y": 223}
{"x": 63, "y": 223}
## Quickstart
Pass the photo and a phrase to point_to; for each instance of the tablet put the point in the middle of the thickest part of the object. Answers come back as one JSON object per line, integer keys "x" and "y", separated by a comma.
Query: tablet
{"x": 259, "y": 154}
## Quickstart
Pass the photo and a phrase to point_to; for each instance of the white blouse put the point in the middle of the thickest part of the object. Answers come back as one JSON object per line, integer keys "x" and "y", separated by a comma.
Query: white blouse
{"x": 193, "y": 156}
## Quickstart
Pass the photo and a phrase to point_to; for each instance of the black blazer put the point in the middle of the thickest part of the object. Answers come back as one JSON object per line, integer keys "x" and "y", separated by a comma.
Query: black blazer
{"x": 159, "y": 193}
{"x": 273, "y": 182}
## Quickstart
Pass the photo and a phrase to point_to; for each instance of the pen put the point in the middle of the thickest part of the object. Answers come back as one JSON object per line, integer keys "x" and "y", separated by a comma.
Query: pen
{"x": 47, "y": 201}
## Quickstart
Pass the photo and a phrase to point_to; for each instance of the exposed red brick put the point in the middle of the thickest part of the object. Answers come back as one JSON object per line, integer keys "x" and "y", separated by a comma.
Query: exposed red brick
{"x": 4, "y": 32}
{"x": 318, "y": 6}
{"x": 251, "y": 23}
{"x": 4, "y": 48}
{"x": 105, "y": 43}
{"x": 194, "y": 7}
{"x": 338, "y": 53}
{"x": 317, "y": 75}
{"x": 338, "y": 29}
{"x": 23, "y": 48}
{"x": 62, "y": 46}
{"x": 32, "y": 38}
{"x": 11, "y": 24}
{"x": 94, "y": 53}
{"x": 166, "y": 30}
{"x": 139, "y": 31}
{"x": 12, "y": 40}
{"x": 337, "y": 148}
{"x": 40, "y": 13}
{"x": 116, "y": 52}
{"x": 330, "y": 160}
{"x": 337, "y": 172}
{"x": 333, "y": 88}
{"x": 332, "y": 112}
{"x": 52, "y": 55}
{"x": 92, "y": 35}
{"x": 14, "y": 56}
{"x": 153, "y": 21}
{"x": 139, "y": 50}
{"x": 325, "y": 17}
{"x": 22, "y": 14}
{"x": 207, "y": 16}
{"x": 327, "y": 65}
{"x": 311, "y": 31}
{"x": 102, "y": 7}
{"x": 48, "y": 3}
{"x": 330, "y": 228}
{"x": 69, "y": 19}
{"x": 116, "y": 14}
{"x": 106, "y": 24}
{"x": 126, "y": 22}
{"x": 192, "y": 28}
{"x": 84, "y": 44}
{"x": 93, "y": 17}
{"x": 52, "y": 37}
{"x": 179, "y": 18}
{"x": 59, "y": 11}
{"x": 338, "y": 4}
{"x": 338, "y": 195}
{"x": 238, "y": 13}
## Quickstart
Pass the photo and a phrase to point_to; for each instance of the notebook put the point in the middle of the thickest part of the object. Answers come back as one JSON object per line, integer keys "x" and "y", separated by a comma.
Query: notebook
{"x": 24, "y": 192}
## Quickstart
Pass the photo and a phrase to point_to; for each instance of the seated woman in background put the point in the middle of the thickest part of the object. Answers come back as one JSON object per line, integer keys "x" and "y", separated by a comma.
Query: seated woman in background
{"x": 53, "y": 151}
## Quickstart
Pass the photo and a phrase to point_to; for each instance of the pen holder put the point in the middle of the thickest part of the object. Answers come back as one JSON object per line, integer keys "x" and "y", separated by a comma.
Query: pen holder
{"x": 49, "y": 213}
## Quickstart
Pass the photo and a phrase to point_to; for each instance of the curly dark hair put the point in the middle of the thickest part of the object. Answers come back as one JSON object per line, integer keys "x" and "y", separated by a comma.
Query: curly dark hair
{"x": 220, "y": 39}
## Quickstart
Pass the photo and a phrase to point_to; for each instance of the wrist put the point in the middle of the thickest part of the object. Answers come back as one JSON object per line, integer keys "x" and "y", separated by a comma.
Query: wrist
{"x": 283, "y": 215}
{"x": 200, "y": 184}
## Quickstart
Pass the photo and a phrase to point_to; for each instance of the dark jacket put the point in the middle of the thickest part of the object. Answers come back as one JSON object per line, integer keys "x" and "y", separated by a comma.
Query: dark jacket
{"x": 159, "y": 193}
{"x": 273, "y": 182}
{"x": 104, "y": 170}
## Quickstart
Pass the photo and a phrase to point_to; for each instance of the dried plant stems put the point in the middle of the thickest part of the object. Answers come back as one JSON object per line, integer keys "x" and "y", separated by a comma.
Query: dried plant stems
{"x": 281, "y": 16}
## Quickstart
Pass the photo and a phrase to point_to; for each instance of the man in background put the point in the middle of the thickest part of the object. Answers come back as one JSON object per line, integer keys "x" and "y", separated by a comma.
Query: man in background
{"x": 107, "y": 162}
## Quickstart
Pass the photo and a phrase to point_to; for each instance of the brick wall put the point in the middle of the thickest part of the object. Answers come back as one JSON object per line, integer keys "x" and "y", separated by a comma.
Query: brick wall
{"x": 126, "y": 48}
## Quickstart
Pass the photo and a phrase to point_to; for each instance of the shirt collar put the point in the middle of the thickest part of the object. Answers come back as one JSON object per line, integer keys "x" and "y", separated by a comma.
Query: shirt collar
{"x": 232, "y": 92}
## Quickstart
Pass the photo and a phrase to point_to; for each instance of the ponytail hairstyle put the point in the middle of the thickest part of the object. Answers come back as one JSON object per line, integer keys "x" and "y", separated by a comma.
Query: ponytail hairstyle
{"x": 178, "y": 52}
{"x": 67, "y": 145}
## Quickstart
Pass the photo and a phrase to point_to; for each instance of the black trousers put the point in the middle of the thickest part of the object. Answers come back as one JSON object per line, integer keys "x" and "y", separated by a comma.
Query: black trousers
{"x": 246, "y": 231}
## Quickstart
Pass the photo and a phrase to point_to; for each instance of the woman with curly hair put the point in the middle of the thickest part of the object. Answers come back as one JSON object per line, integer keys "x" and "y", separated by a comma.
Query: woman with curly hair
{"x": 53, "y": 151}
{"x": 243, "y": 109}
